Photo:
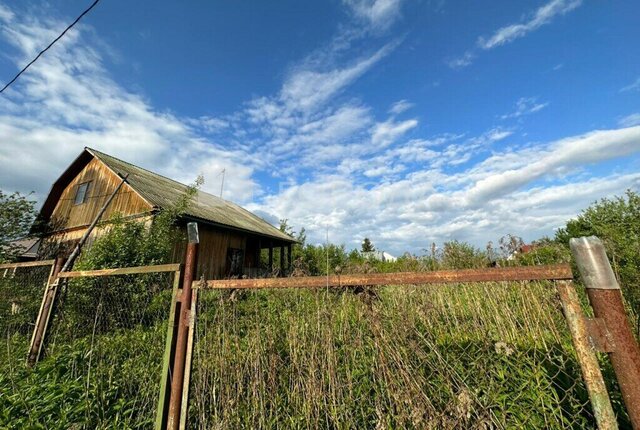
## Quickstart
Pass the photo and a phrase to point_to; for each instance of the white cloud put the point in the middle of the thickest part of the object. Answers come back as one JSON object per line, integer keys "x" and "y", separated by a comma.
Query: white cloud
{"x": 6, "y": 15}
{"x": 630, "y": 120}
{"x": 463, "y": 61}
{"x": 507, "y": 34}
{"x": 380, "y": 14}
{"x": 209, "y": 124}
{"x": 494, "y": 135}
{"x": 385, "y": 133}
{"x": 306, "y": 122}
{"x": 543, "y": 15}
{"x": 400, "y": 106}
{"x": 529, "y": 191}
{"x": 306, "y": 90}
{"x": 634, "y": 86}
{"x": 525, "y": 106}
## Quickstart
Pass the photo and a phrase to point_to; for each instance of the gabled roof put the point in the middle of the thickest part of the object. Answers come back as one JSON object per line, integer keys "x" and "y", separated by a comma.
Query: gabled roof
{"x": 163, "y": 192}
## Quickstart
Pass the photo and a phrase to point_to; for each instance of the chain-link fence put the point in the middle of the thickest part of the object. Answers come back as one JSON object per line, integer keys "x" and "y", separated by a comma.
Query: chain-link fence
{"x": 21, "y": 290}
{"x": 102, "y": 356}
{"x": 443, "y": 356}
{"x": 484, "y": 355}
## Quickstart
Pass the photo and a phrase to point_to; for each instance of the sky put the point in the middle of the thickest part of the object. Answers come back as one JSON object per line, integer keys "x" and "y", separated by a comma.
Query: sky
{"x": 405, "y": 121}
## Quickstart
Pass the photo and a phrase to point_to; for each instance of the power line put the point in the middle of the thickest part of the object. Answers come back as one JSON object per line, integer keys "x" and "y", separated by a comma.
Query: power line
{"x": 50, "y": 45}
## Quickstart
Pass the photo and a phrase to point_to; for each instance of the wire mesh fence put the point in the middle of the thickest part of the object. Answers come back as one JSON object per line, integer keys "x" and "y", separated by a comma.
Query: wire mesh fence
{"x": 21, "y": 290}
{"x": 486, "y": 355}
{"x": 446, "y": 356}
{"x": 102, "y": 357}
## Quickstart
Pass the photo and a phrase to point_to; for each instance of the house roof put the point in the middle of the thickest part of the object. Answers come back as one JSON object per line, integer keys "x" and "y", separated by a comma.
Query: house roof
{"x": 162, "y": 192}
{"x": 27, "y": 247}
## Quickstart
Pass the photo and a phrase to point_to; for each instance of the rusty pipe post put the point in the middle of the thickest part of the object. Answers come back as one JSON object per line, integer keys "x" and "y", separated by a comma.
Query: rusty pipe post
{"x": 606, "y": 300}
{"x": 177, "y": 380}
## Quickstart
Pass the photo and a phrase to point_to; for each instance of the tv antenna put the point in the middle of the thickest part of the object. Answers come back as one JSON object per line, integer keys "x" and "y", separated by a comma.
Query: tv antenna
{"x": 222, "y": 184}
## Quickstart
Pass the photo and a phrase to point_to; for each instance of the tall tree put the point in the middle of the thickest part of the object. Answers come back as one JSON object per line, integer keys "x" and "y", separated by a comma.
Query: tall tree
{"x": 367, "y": 246}
{"x": 286, "y": 228}
{"x": 16, "y": 217}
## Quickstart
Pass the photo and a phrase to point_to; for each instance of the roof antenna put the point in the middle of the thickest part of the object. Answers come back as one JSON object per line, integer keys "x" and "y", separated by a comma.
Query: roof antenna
{"x": 222, "y": 184}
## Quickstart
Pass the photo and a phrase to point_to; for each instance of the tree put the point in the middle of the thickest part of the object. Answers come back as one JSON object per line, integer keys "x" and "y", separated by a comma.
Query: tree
{"x": 461, "y": 255}
{"x": 16, "y": 217}
{"x": 286, "y": 228}
{"x": 510, "y": 245}
{"x": 367, "y": 246}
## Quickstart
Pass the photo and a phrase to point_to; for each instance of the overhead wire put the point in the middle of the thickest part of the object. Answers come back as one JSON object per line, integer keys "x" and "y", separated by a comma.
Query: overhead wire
{"x": 86, "y": 11}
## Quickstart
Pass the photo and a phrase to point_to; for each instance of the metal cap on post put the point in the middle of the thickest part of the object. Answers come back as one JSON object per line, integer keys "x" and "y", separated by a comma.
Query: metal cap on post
{"x": 192, "y": 232}
{"x": 607, "y": 303}
{"x": 593, "y": 264}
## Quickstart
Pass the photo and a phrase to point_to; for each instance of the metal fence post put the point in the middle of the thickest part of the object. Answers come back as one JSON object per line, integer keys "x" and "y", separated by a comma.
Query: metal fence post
{"x": 606, "y": 300}
{"x": 177, "y": 380}
{"x": 598, "y": 395}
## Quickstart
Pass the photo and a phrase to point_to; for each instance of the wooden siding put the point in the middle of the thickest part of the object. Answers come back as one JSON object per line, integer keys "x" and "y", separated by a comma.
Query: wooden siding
{"x": 68, "y": 215}
{"x": 67, "y": 239}
{"x": 213, "y": 252}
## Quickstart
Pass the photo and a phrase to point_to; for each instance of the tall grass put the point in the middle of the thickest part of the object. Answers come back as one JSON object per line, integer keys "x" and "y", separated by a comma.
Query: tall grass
{"x": 462, "y": 356}
{"x": 449, "y": 356}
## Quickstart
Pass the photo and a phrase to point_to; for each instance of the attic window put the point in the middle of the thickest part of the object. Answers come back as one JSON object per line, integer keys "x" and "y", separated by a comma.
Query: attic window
{"x": 81, "y": 193}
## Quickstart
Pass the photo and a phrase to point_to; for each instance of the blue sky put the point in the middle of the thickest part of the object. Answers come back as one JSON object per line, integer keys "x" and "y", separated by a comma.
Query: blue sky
{"x": 405, "y": 121}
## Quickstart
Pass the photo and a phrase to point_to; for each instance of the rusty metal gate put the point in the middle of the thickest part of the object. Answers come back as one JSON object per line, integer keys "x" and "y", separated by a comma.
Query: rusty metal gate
{"x": 491, "y": 348}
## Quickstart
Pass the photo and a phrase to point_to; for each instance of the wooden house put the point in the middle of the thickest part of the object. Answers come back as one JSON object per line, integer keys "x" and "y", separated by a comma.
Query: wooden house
{"x": 231, "y": 238}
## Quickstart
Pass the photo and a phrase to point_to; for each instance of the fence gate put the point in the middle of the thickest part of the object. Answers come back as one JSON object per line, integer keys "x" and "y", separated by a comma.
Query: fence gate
{"x": 22, "y": 286}
{"x": 492, "y": 348}
{"x": 101, "y": 354}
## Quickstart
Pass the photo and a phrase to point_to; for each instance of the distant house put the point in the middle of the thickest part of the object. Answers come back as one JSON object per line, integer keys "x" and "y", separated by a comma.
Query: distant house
{"x": 522, "y": 249}
{"x": 26, "y": 249}
{"x": 231, "y": 238}
{"x": 379, "y": 256}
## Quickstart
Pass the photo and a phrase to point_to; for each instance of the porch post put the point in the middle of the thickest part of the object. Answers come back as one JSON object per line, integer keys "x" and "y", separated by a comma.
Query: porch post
{"x": 282, "y": 260}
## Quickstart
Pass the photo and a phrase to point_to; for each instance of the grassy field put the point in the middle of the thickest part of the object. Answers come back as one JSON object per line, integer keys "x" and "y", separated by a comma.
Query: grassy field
{"x": 457, "y": 356}
{"x": 472, "y": 356}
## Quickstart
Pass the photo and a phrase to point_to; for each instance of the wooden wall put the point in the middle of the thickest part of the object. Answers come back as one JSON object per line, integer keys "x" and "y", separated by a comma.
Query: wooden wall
{"x": 213, "y": 249}
{"x": 62, "y": 243}
{"x": 68, "y": 215}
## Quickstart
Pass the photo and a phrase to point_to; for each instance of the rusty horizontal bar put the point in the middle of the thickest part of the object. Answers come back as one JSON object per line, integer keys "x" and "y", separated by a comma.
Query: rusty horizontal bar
{"x": 499, "y": 274}
{"x": 121, "y": 271}
{"x": 27, "y": 264}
